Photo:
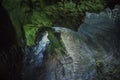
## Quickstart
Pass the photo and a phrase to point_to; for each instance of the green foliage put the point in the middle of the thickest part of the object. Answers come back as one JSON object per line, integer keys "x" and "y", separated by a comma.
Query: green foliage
{"x": 30, "y": 33}
{"x": 90, "y": 6}
{"x": 40, "y": 13}
{"x": 70, "y": 14}
{"x": 65, "y": 14}
{"x": 38, "y": 20}
{"x": 55, "y": 47}
{"x": 53, "y": 40}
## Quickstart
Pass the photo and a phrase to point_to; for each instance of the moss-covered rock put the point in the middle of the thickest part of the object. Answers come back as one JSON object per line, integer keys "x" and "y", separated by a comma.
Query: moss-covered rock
{"x": 62, "y": 13}
{"x": 38, "y": 20}
{"x": 55, "y": 47}
{"x": 70, "y": 14}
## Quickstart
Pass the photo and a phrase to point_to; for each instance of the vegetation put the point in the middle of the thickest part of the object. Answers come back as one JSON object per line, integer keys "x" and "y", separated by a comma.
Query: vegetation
{"x": 55, "y": 46}
{"x": 70, "y": 14}
{"x": 38, "y": 20}
{"x": 34, "y": 14}
{"x": 63, "y": 13}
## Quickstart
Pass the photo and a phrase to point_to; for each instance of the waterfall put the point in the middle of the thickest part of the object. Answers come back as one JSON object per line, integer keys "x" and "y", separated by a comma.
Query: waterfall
{"x": 93, "y": 49}
{"x": 34, "y": 57}
{"x": 92, "y": 52}
{"x": 83, "y": 63}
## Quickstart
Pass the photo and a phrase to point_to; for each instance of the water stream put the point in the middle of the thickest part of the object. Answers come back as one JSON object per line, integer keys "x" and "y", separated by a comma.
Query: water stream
{"x": 34, "y": 57}
{"x": 90, "y": 52}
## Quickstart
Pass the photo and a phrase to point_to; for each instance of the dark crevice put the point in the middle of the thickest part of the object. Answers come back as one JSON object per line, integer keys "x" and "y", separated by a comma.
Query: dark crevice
{"x": 7, "y": 32}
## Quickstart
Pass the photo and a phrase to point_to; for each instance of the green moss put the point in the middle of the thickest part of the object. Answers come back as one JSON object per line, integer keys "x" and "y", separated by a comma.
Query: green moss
{"x": 54, "y": 43}
{"x": 55, "y": 47}
{"x": 38, "y": 20}
{"x": 53, "y": 40}
{"x": 70, "y": 14}
{"x": 40, "y": 13}
{"x": 67, "y": 14}
{"x": 30, "y": 33}
{"x": 91, "y": 6}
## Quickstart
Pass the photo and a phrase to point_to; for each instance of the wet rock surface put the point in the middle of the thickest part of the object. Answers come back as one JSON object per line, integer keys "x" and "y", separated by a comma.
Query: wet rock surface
{"x": 92, "y": 53}
{"x": 34, "y": 58}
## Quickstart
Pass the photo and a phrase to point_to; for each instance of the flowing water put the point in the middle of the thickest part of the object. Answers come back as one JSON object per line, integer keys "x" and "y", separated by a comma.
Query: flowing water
{"x": 34, "y": 57}
{"x": 77, "y": 50}
{"x": 91, "y": 52}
